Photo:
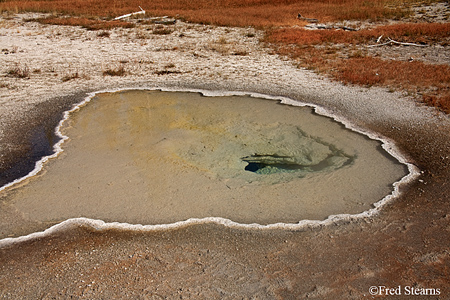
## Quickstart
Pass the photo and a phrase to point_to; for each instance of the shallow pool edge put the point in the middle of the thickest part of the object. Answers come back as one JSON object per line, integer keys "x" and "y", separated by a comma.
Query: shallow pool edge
{"x": 99, "y": 225}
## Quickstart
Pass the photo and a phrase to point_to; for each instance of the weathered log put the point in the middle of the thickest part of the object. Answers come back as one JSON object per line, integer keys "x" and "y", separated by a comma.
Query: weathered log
{"x": 391, "y": 41}
{"x": 348, "y": 28}
{"x": 309, "y": 20}
{"x": 323, "y": 26}
{"x": 132, "y": 14}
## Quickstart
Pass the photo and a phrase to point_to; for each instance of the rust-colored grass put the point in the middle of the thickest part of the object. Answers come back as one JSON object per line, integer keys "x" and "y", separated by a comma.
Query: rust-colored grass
{"x": 441, "y": 101}
{"x": 407, "y": 32}
{"x": 430, "y": 81}
{"x": 224, "y": 12}
{"x": 312, "y": 49}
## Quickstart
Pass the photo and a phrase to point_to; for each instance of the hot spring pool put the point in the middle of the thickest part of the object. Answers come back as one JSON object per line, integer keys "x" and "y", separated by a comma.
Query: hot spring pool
{"x": 152, "y": 157}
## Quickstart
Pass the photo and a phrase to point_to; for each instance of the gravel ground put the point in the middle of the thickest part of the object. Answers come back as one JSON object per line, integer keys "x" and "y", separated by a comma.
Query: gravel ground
{"x": 405, "y": 247}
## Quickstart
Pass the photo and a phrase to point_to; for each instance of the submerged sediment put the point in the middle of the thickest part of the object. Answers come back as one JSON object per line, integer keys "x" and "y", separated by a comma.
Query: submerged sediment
{"x": 151, "y": 157}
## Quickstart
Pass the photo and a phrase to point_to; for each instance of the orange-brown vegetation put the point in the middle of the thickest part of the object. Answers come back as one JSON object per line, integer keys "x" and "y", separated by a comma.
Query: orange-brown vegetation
{"x": 314, "y": 49}
{"x": 432, "y": 81}
{"x": 371, "y": 70}
{"x": 224, "y": 12}
{"x": 415, "y": 77}
{"x": 119, "y": 71}
{"x": 441, "y": 101}
{"x": 407, "y": 32}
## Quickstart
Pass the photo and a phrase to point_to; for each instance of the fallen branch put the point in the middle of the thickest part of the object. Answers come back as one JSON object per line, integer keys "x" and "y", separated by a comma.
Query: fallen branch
{"x": 379, "y": 45}
{"x": 379, "y": 38}
{"x": 158, "y": 18}
{"x": 163, "y": 20}
{"x": 346, "y": 28}
{"x": 405, "y": 44}
{"x": 132, "y": 14}
{"x": 391, "y": 41}
{"x": 309, "y": 20}
{"x": 318, "y": 26}
{"x": 329, "y": 27}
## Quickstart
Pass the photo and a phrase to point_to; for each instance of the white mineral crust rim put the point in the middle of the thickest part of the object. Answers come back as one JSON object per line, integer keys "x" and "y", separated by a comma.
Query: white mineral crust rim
{"x": 99, "y": 225}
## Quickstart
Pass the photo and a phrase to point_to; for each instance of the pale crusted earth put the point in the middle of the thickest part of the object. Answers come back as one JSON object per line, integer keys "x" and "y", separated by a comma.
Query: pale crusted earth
{"x": 438, "y": 53}
{"x": 405, "y": 246}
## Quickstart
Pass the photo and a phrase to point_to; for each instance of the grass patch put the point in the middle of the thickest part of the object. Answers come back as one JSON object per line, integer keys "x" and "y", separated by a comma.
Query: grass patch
{"x": 70, "y": 77}
{"x": 442, "y": 101}
{"x": 120, "y": 71}
{"x": 431, "y": 81}
{"x": 166, "y": 72}
{"x": 409, "y": 75}
{"x": 424, "y": 33}
{"x": 104, "y": 34}
{"x": 19, "y": 72}
{"x": 162, "y": 31}
{"x": 319, "y": 50}
{"x": 258, "y": 13}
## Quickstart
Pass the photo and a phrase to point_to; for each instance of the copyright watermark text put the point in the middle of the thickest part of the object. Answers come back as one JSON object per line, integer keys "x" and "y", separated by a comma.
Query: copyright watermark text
{"x": 403, "y": 290}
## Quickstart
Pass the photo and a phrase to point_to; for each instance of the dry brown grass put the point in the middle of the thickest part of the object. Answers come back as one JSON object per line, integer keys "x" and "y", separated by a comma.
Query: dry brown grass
{"x": 317, "y": 50}
{"x": 407, "y": 32}
{"x": 19, "y": 71}
{"x": 417, "y": 78}
{"x": 312, "y": 49}
{"x": 70, "y": 77}
{"x": 225, "y": 12}
{"x": 371, "y": 70}
{"x": 119, "y": 71}
{"x": 441, "y": 101}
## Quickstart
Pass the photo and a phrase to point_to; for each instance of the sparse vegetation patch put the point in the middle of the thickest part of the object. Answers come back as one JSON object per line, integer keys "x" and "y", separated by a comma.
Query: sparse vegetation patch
{"x": 120, "y": 71}
{"x": 340, "y": 54}
{"x": 104, "y": 34}
{"x": 424, "y": 33}
{"x": 343, "y": 56}
{"x": 70, "y": 77}
{"x": 225, "y": 12}
{"x": 19, "y": 72}
{"x": 162, "y": 30}
{"x": 166, "y": 72}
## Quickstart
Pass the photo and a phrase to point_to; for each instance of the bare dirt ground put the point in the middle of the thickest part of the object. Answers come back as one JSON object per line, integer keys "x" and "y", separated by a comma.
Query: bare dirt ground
{"x": 405, "y": 247}
{"x": 434, "y": 54}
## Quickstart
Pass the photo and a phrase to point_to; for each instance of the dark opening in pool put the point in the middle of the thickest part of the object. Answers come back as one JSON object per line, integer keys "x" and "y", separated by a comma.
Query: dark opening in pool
{"x": 262, "y": 168}
{"x": 269, "y": 164}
